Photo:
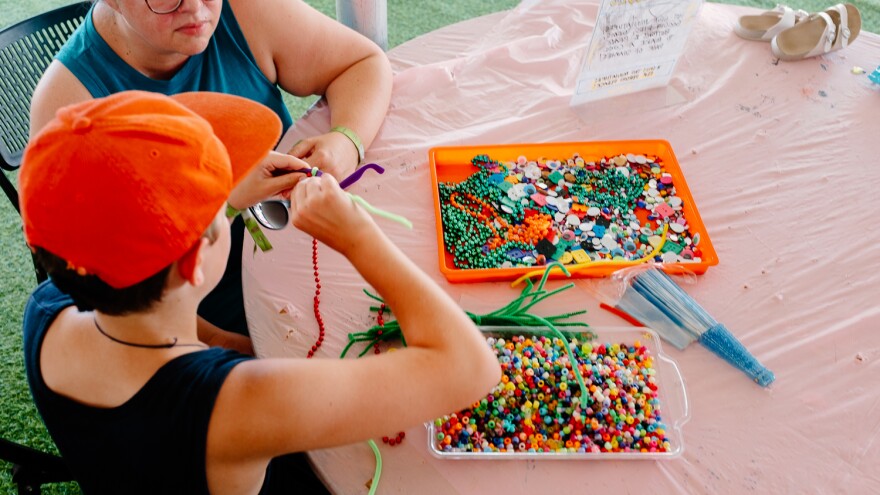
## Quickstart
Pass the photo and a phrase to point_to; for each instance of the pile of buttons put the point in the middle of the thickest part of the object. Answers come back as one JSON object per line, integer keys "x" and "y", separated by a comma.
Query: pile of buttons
{"x": 532, "y": 212}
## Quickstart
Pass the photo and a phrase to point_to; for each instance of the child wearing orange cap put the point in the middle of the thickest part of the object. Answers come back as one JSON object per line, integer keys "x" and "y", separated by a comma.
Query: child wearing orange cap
{"x": 133, "y": 237}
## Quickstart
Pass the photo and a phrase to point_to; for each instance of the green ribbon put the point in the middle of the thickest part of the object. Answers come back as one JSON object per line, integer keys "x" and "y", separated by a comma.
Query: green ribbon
{"x": 253, "y": 227}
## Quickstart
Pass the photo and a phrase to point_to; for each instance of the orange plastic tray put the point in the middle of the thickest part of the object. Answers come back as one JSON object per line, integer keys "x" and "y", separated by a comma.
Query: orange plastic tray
{"x": 453, "y": 164}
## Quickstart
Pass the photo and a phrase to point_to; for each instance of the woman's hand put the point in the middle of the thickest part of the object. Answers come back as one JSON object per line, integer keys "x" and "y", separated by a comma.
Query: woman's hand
{"x": 270, "y": 178}
{"x": 333, "y": 153}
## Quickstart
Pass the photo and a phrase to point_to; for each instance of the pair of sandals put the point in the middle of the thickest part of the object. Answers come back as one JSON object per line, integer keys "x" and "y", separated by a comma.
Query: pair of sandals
{"x": 796, "y": 34}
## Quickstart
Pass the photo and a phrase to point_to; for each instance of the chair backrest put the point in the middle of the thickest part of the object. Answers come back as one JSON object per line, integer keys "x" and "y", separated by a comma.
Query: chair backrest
{"x": 26, "y": 49}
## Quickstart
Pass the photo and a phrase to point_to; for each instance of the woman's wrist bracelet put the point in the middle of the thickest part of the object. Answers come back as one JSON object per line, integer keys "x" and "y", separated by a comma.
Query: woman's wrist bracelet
{"x": 353, "y": 137}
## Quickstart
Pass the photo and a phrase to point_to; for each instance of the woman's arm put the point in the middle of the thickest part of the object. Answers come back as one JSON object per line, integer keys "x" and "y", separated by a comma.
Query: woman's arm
{"x": 308, "y": 53}
{"x": 57, "y": 88}
{"x": 215, "y": 336}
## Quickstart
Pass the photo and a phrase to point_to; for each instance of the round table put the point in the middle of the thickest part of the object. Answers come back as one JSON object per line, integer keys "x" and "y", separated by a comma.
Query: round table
{"x": 780, "y": 158}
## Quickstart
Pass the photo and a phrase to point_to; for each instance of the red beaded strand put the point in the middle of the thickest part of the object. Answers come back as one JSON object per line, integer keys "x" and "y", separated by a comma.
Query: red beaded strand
{"x": 317, "y": 304}
{"x": 394, "y": 441}
{"x": 380, "y": 320}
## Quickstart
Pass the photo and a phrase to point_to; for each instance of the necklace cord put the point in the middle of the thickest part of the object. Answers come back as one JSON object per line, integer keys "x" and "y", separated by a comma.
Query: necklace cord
{"x": 143, "y": 346}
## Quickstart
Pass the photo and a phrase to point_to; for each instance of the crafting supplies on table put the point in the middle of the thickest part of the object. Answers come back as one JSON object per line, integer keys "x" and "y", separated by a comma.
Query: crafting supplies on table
{"x": 636, "y": 408}
{"x": 505, "y": 211}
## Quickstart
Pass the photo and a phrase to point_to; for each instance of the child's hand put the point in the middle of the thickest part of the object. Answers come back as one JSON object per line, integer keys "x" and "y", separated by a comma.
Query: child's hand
{"x": 319, "y": 207}
{"x": 265, "y": 181}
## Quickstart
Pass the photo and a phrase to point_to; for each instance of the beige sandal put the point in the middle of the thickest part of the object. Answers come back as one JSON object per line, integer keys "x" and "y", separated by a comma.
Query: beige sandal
{"x": 768, "y": 24}
{"x": 848, "y": 20}
{"x": 821, "y": 33}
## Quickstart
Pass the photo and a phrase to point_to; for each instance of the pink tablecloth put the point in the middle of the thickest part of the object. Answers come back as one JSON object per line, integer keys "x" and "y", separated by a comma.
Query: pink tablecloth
{"x": 781, "y": 159}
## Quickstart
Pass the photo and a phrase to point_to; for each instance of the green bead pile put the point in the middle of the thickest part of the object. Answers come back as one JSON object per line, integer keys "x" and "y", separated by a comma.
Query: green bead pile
{"x": 464, "y": 236}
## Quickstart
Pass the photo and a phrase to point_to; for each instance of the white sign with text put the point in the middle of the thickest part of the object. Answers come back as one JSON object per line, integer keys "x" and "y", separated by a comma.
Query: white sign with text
{"x": 635, "y": 46}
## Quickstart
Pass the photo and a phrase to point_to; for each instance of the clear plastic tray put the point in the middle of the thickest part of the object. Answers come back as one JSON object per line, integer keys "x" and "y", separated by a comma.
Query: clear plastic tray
{"x": 670, "y": 389}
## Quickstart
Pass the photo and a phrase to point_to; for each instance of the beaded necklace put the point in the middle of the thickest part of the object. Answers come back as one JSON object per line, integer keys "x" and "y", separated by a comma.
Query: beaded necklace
{"x": 373, "y": 484}
{"x": 317, "y": 300}
{"x": 468, "y": 234}
{"x": 343, "y": 184}
{"x": 533, "y": 228}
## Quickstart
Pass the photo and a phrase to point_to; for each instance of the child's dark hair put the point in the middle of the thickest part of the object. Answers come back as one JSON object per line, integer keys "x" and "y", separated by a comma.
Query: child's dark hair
{"x": 91, "y": 293}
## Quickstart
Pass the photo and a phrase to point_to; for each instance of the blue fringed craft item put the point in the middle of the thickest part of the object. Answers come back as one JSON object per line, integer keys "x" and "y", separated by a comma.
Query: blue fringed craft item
{"x": 875, "y": 76}
{"x": 654, "y": 299}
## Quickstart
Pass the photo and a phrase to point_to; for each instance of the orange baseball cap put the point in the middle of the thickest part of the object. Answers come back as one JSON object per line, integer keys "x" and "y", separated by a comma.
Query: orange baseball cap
{"x": 122, "y": 186}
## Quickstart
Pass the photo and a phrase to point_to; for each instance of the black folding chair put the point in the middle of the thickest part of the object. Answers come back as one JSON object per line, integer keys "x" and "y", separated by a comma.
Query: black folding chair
{"x": 26, "y": 49}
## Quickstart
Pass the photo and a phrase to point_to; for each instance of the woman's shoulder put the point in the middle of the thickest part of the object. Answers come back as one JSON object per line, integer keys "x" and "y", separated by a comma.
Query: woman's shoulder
{"x": 57, "y": 88}
{"x": 288, "y": 23}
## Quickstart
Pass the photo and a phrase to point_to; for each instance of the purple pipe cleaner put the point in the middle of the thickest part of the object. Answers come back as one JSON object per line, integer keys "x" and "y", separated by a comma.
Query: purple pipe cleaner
{"x": 344, "y": 183}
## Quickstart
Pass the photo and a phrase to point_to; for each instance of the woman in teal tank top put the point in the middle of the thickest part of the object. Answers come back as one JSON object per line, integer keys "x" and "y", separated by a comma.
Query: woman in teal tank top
{"x": 226, "y": 65}
{"x": 243, "y": 47}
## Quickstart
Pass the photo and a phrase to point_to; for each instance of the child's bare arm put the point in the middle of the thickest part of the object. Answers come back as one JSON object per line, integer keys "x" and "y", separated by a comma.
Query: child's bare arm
{"x": 284, "y": 405}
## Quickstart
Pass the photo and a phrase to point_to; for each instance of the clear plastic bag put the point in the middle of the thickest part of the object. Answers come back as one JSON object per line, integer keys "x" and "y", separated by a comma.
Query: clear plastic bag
{"x": 655, "y": 300}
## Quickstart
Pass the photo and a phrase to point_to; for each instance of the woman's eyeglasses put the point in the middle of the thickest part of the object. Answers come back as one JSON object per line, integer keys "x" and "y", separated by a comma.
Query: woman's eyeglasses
{"x": 163, "y": 6}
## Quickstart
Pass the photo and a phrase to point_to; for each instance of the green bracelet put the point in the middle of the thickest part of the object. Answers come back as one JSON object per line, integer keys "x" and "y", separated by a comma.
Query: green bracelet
{"x": 231, "y": 212}
{"x": 351, "y": 135}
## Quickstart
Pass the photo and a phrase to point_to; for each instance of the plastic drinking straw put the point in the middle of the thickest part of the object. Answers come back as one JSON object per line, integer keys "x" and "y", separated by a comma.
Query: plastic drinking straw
{"x": 660, "y": 295}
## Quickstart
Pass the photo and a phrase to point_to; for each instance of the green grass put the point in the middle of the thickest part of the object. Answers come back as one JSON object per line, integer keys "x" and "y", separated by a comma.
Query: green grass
{"x": 406, "y": 19}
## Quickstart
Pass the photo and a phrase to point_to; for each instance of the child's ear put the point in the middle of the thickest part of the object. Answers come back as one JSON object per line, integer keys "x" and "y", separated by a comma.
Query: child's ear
{"x": 189, "y": 266}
